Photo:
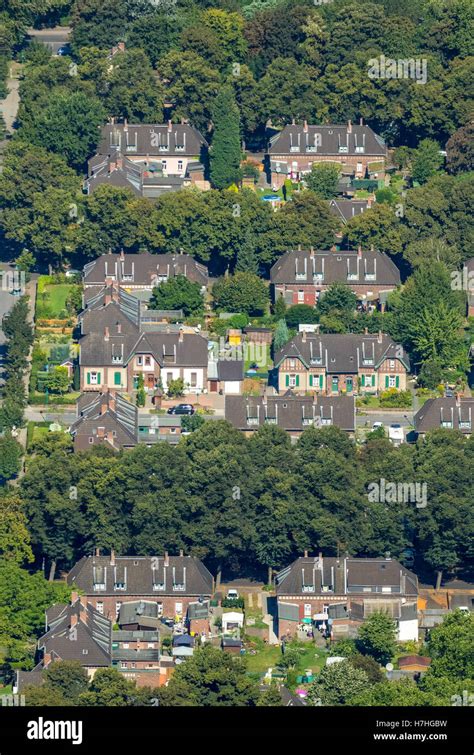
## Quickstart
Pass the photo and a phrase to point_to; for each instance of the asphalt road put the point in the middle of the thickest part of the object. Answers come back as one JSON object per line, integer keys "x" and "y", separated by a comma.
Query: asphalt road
{"x": 7, "y": 300}
{"x": 404, "y": 418}
{"x": 53, "y": 38}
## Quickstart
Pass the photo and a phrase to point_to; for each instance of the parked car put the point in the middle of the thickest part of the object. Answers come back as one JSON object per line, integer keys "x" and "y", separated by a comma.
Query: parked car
{"x": 181, "y": 409}
{"x": 396, "y": 433}
{"x": 64, "y": 50}
{"x": 232, "y": 594}
{"x": 72, "y": 273}
{"x": 376, "y": 425}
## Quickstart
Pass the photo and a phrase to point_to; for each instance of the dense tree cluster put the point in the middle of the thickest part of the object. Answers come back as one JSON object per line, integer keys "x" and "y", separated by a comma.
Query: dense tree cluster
{"x": 249, "y": 504}
{"x": 19, "y": 333}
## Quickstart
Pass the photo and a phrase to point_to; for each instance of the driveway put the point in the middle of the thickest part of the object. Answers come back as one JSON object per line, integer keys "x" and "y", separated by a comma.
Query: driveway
{"x": 9, "y": 106}
{"x": 52, "y": 38}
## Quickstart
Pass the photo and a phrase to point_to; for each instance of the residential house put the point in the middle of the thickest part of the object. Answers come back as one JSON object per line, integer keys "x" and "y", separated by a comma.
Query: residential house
{"x": 311, "y": 587}
{"x": 290, "y": 412}
{"x": 301, "y": 276}
{"x": 74, "y": 632}
{"x": 105, "y": 418}
{"x": 172, "y": 582}
{"x": 141, "y": 272}
{"x": 115, "y": 352}
{"x": 454, "y": 413}
{"x": 150, "y": 160}
{"x": 355, "y": 149}
{"x": 335, "y": 364}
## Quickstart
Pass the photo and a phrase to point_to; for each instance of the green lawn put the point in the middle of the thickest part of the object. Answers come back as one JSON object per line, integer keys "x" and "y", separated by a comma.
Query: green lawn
{"x": 51, "y": 298}
{"x": 259, "y": 350}
{"x": 268, "y": 656}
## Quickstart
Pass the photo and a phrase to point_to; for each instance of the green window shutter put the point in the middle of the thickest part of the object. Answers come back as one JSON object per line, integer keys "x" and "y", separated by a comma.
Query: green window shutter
{"x": 386, "y": 381}
{"x": 320, "y": 381}
{"x": 117, "y": 378}
{"x": 98, "y": 378}
{"x": 397, "y": 381}
{"x": 287, "y": 380}
{"x": 297, "y": 380}
{"x": 311, "y": 380}
{"x": 363, "y": 380}
{"x": 373, "y": 379}
{"x": 88, "y": 378}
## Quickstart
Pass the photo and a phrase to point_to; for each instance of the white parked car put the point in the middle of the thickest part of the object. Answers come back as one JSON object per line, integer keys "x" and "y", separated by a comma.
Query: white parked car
{"x": 396, "y": 433}
{"x": 232, "y": 594}
{"x": 376, "y": 425}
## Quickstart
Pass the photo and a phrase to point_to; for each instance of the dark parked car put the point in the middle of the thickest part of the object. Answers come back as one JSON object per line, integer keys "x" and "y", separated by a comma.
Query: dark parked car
{"x": 181, "y": 409}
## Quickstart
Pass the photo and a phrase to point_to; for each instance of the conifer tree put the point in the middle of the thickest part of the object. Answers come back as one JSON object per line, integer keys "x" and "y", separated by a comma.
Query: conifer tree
{"x": 225, "y": 152}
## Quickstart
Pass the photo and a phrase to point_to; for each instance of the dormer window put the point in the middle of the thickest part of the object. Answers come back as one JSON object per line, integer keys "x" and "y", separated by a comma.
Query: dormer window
{"x": 117, "y": 358}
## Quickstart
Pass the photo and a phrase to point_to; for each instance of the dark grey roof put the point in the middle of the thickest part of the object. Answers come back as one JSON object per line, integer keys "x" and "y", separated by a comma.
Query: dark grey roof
{"x": 142, "y": 612}
{"x": 198, "y": 610}
{"x": 178, "y": 139}
{"x": 97, "y": 298}
{"x": 147, "y": 655}
{"x": 142, "y": 575}
{"x": 327, "y": 139}
{"x": 100, "y": 414}
{"x": 29, "y": 679}
{"x": 99, "y": 347}
{"x": 142, "y": 269}
{"x": 79, "y": 633}
{"x": 445, "y": 412}
{"x": 230, "y": 369}
{"x": 369, "y": 268}
{"x": 338, "y": 352}
{"x": 344, "y": 576}
{"x": 132, "y": 635}
{"x": 345, "y": 209}
{"x": 290, "y": 412}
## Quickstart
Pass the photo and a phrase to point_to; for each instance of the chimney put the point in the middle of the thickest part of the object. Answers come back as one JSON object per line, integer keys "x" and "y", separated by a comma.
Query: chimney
{"x": 106, "y": 333}
{"x": 97, "y": 552}
{"x": 311, "y": 251}
{"x": 379, "y": 337}
{"x": 366, "y": 331}
{"x": 333, "y": 248}
{"x": 119, "y": 327}
{"x": 74, "y": 596}
{"x": 120, "y": 162}
{"x": 303, "y": 336}
{"x": 181, "y": 553}
{"x": 46, "y": 659}
{"x": 112, "y": 557}
{"x": 103, "y": 406}
{"x": 167, "y": 559}
{"x": 349, "y": 127}
{"x": 293, "y": 122}
{"x": 359, "y": 251}
{"x": 170, "y": 127}
{"x": 181, "y": 335}
{"x": 305, "y": 554}
{"x": 83, "y": 600}
{"x": 361, "y": 122}
{"x": 305, "y": 126}
{"x": 122, "y": 255}
{"x": 112, "y": 403}
{"x": 125, "y": 125}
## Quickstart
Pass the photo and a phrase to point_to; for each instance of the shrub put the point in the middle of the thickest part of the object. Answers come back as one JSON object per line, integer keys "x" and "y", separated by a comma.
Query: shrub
{"x": 392, "y": 398}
